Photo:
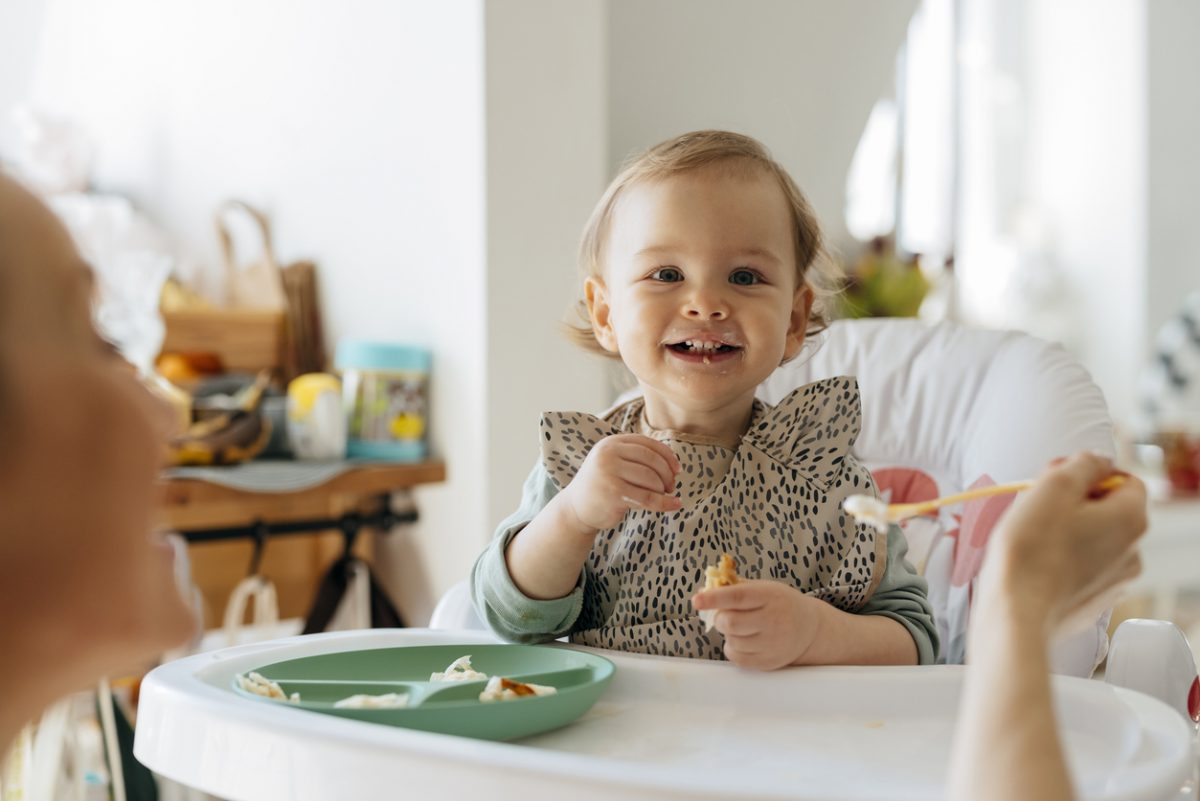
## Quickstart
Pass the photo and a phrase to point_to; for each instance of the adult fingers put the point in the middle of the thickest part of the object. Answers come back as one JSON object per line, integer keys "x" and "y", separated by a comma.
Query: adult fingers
{"x": 1075, "y": 476}
{"x": 1101, "y": 593}
{"x": 1123, "y": 508}
{"x": 1120, "y": 570}
{"x": 1104, "y": 530}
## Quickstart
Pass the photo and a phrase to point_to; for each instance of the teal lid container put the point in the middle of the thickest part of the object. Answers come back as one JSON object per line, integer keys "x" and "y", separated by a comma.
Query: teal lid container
{"x": 385, "y": 388}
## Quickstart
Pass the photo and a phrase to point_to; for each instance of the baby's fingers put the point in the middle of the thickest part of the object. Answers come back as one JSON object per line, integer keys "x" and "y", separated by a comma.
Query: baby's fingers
{"x": 653, "y": 455}
{"x": 639, "y": 498}
{"x": 643, "y": 477}
{"x": 744, "y": 596}
{"x": 738, "y": 623}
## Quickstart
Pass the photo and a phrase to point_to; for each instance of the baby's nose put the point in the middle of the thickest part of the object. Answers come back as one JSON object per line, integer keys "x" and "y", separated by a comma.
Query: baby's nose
{"x": 706, "y": 305}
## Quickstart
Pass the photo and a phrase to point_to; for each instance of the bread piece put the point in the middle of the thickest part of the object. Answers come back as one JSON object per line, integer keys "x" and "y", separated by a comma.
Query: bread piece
{"x": 722, "y": 574}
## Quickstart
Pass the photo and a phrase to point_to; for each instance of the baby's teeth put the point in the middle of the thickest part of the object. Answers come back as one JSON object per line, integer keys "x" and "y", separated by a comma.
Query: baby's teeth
{"x": 709, "y": 347}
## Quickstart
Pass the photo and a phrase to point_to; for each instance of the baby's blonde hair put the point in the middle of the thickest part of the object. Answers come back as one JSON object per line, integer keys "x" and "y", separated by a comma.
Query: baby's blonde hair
{"x": 694, "y": 151}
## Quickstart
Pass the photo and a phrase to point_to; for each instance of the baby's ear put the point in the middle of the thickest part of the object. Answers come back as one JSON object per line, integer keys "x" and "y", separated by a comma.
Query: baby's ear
{"x": 798, "y": 322}
{"x": 596, "y": 296}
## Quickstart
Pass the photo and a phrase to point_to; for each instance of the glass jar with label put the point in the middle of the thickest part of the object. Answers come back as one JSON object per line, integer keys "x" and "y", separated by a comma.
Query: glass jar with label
{"x": 385, "y": 389}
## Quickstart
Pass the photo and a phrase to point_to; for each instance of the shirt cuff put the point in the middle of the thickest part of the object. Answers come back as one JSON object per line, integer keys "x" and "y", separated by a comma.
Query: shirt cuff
{"x": 511, "y": 613}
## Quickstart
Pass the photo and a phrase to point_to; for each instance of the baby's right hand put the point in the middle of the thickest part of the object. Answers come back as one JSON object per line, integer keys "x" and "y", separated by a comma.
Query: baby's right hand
{"x": 623, "y": 472}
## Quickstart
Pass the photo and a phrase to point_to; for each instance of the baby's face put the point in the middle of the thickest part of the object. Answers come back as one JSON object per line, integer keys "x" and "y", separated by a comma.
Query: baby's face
{"x": 699, "y": 294}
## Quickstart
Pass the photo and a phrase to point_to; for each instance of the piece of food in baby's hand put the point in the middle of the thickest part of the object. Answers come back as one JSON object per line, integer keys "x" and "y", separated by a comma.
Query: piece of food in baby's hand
{"x": 385, "y": 701}
{"x": 722, "y": 574}
{"x": 868, "y": 510}
{"x": 260, "y": 685}
{"x": 501, "y": 689}
{"x": 459, "y": 670}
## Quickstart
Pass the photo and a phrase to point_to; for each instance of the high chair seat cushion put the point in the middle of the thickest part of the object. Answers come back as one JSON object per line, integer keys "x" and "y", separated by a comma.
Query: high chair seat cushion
{"x": 954, "y": 401}
{"x": 945, "y": 408}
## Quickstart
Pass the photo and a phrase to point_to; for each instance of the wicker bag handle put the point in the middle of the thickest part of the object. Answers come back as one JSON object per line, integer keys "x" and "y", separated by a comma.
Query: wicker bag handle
{"x": 261, "y": 284}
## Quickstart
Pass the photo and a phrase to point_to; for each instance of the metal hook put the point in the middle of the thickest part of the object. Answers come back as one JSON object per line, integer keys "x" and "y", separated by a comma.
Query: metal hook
{"x": 260, "y": 531}
{"x": 350, "y": 525}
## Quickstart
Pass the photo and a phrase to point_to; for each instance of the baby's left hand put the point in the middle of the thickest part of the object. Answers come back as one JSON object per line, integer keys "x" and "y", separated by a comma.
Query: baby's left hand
{"x": 767, "y": 624}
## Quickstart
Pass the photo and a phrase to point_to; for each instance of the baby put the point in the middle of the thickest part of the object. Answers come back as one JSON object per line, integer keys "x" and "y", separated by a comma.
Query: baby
{"x": 699, "y": 269}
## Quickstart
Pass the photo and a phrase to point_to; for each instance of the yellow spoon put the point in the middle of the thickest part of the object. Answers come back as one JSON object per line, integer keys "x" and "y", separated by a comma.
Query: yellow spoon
{"x": 868, "y": 509}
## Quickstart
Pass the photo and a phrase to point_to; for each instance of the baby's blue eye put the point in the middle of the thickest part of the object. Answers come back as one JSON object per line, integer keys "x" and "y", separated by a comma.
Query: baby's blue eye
{"x": 744, "y": 277}
{"x": 667, "y": 275}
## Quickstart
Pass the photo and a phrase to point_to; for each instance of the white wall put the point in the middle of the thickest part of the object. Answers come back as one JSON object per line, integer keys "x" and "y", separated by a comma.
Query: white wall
{"x": 360, "y": 128}
{"x": 800, "y": 75}
{"x": 546, "y": 167}
{"x": 1088, "y": 173}
{"x": 22, "y": 20}
{"x": 1174, "y": 156}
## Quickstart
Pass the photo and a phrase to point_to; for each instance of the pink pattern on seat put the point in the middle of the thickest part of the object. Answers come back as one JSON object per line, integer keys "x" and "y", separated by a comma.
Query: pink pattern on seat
{"x": 978, "y": 520}
{"x": 908, "y": 485}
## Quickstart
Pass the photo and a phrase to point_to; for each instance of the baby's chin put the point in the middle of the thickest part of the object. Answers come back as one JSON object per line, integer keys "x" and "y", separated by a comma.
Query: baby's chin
{"x": 701, "y": 393}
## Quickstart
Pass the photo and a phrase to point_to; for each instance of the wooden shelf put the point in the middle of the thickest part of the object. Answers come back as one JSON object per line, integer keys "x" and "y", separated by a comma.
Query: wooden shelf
{"x": 294, "y": 563}
{"x": 194, "y": 503}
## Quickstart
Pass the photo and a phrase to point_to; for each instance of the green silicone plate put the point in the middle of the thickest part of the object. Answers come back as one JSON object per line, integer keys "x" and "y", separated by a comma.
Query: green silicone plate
{"x": 447, "y": 707}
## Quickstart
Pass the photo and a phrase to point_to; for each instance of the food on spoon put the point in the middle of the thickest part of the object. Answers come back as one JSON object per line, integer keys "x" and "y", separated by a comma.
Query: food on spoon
{"x": 259, "y": 685}
{"x": 722, "y": 574}
{"x": 501, "y": 689}
{"x": 385, "y": 701}
{"x": 459, "y": 670}
{"x": 868, "y": 510}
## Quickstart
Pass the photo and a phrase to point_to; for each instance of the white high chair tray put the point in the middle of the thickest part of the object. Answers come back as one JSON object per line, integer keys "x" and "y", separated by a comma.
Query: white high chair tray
{"x": 666, "y": 728}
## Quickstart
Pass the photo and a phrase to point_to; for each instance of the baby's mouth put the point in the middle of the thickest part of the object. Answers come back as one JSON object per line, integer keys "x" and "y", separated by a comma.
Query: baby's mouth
{"x": 705, "y": 351}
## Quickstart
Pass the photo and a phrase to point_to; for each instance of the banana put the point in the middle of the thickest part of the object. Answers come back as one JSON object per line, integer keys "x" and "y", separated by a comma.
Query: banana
{"x": 228, "y": 437}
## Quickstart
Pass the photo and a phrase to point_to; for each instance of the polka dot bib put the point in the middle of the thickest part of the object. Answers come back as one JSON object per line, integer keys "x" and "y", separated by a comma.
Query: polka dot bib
{"x": 774, "y": 503}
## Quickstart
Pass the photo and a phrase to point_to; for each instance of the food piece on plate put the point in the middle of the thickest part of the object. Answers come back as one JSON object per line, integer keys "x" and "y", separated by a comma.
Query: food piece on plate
{"x": 385, "y": 701}
{"x": 868, "y": 510}
{"x": 259, "y": 685}
{"x": 459, "y": 670}
{"x": 722, "y": 574}
{"x": 502, "y": 689}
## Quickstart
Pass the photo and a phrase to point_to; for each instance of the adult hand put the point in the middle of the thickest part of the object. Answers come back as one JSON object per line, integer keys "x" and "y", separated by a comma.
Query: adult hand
{"x": 1057, "y": 555}
{"x": 1060, "y": 548}
{"x": 767, "y": 624}
{"x": 623, "y": 472}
